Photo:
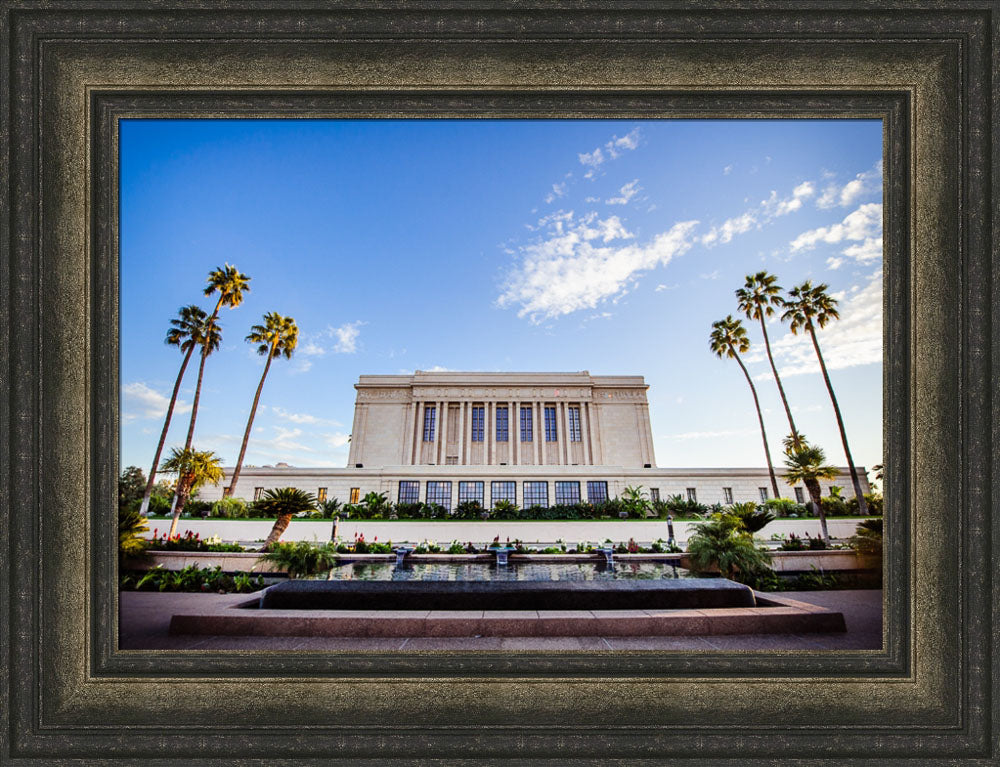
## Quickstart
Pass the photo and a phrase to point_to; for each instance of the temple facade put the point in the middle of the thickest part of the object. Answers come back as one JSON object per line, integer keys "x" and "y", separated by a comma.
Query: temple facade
{"x": 530, "y": 438}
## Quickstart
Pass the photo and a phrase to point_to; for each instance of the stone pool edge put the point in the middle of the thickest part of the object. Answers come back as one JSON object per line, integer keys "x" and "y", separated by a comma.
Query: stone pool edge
{"x": 773, "y": 615}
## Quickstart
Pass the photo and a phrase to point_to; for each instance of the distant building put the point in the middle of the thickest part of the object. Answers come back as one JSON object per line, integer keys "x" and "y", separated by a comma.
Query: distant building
{"x": 531, "y": 438}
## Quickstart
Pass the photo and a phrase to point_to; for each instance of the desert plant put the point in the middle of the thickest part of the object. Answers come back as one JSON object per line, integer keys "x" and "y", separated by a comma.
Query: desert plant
{"x": 873, "y": 500}
{"x": 784, "y": 507}
{"x": 504, "y": 509}
{"x": 468, "y": 510}
{"x": 329, "y": 507}
{"x": 807, "y": 464}
{"x": 193, "y": 469}
{"x": 635, "y": 502}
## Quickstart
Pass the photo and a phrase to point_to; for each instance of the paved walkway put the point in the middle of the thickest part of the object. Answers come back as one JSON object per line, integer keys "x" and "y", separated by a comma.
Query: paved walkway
{"x": 145, "y": 620}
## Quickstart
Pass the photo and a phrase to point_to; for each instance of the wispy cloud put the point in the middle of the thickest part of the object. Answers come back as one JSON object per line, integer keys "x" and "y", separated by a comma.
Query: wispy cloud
{"x": 579, "y": 263}
{"x": 302, "y": 418}
{"x": 855, "y": 339}
{"x": 142, "y": 401}
{"x": 346, "y": 337}
{"x": 558, "y": 190}
{"x": 761, "y": 214}
{"x": 626, "y": 193}
{"x": 727, "y": 170}
{"x": 612, "y": 150}
{"x": 867, "y": 182}
{"x": 863, "y": 225}
{"x": 688, "y": 435}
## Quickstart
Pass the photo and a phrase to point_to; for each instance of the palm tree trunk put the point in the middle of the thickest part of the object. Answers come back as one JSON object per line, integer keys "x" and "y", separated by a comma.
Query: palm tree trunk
{"x": 781, "y": 389}
{"x": 197, "y": 397}
{"x": 183, "y": 492}
{"x": 280, "y": 525}
{"x": 246, "y": 434}
{"x": 163, "y": 434}
{"x": 812, "y": 485}
{"x": 862, "y": 503}
{"x": 760, "y": 418}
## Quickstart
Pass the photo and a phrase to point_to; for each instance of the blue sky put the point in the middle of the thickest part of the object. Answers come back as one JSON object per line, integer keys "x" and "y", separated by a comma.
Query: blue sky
{"x": 510, "y": 245}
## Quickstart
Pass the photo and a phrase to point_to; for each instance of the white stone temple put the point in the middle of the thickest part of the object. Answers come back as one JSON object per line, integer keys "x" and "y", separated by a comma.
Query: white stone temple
{"x": 531, "y": 438}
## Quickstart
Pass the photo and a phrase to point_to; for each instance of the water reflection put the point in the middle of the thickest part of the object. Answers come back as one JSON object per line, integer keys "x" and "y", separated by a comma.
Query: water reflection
{"x": 520, "y": 571}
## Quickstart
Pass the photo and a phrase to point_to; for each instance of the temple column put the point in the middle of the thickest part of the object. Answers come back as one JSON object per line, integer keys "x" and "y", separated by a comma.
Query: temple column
{"x": 413, "y": 432}
{"x": 564, "y": 411}
{"x": 489, "y": 415}
{"x": 588, "y": 454}
{"x": 539, "y": 409}
{"x": 441, "y": 436}
{"x": 418, "y": 435}
{"x": 461, "y": 432}
{"x": 513, "y": 434}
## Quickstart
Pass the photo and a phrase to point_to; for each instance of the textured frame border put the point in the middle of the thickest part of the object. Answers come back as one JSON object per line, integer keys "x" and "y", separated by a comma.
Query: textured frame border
{"x": 68, "y": 694}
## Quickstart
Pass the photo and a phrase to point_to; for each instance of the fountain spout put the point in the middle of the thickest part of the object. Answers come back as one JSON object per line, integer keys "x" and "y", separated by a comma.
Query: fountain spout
{"x": 401, "y": 553}
{"x": 501, "y": 553}
{"x": 608, "y": 552}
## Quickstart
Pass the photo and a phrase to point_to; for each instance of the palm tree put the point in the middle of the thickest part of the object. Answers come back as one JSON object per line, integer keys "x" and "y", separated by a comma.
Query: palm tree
{"x": 807, "y": 464}
{"x": 230, "y": 284}
{"x": 209, "y": 338}
{"x": 183, "y": 334}
{"x": 277, "y": 336}
{"x": 193, "y": 469}
{"x": 283, "y": 503}
{"x": 757, "y": 299}
{"x": 811, "y": 306}
{"x": 729, "y": 339}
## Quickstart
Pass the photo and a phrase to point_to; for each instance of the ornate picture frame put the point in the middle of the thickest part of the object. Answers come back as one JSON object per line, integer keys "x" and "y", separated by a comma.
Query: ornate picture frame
{"x": 74, "y": 70}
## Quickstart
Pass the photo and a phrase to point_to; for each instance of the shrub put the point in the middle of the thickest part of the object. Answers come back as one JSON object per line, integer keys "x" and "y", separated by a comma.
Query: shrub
{"x": 456, "y": 548}
{"x": 191, "y": 578}
{"x": 792, "y": 543}
{"x": 328, "y": 508}
{"x": 158, "y": 506}
{"x": 868, "y": 537}
{"x": 834, "y": 505}
{"x": 723, "y": 542}
{"x": 468, "y": 510}
{"x": 197, "y": 508}
{"x": 301, "y": 557}
{"x": 229, "y": 508}
{"x": 504, "y": 510}
{"x": 679, "y": 506}
{"x": 874, "y": 501}
{"x": 784, "y": 507}
{"x": 753, "y": 517}
{"x": 131, "y": 526}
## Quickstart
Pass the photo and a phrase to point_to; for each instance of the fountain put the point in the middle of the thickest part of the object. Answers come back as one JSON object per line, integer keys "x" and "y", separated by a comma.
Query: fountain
{"x": 401, "y": 552}
{"x": 501, "y": 552}
{"x": 608, "y": 551}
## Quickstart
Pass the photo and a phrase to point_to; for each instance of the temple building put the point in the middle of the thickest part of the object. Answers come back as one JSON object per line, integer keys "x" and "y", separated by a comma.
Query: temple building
{"x": 531, "y": 438}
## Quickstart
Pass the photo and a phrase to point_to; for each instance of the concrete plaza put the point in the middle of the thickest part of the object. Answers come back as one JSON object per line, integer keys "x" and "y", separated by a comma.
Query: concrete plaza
{"x": 145, "y": 620}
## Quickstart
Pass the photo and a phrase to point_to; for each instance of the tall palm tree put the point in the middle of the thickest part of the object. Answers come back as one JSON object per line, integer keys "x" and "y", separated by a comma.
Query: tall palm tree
{"x": 283, "y": 503}
{"x": 277, "y": 336}
{"x": 193, "y": 469}
{"x": 807, "y": 464}
{"x": 729, "y": 339}
{"x": 230, "y": 284}
{"x": 183, "y": 334}
{"x": 209, "y": 338}
{"x": 810, "y": 306}
{"x": 758, "y": 299}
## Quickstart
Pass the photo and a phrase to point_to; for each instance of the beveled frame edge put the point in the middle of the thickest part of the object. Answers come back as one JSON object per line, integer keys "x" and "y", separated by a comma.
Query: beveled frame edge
{"x": 970, "y": 734}
{"x": 109, "y": 107}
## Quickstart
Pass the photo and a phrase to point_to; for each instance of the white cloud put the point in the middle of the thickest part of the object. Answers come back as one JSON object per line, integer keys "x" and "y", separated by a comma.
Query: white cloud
{"x": 337, "y": 440}
{"x": 300, "y": 417}
{"x": 727, "y": 170}
{"x": 713, "y": 275}
{"x": 855, "y": 339}
{"x": 610, "y": 151}
{"x": 347, "y": 337}
{"x": 558, "y": 190}
{"x": 626, "y": 193}
{"x": 311, "y": 349}
{"x": 867, "y": 182}
{"x": 142, "y": 401}
{"x": 709, "y": 434}
{"x": 756, "y": 217}
{"x": 662, "y": 287}
{"x": 438, "y": 369}
{"x": 579, "y": 263}
{"x": 861, "y": 224}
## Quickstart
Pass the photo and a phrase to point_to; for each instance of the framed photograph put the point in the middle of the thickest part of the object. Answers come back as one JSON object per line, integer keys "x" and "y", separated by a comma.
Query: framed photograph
{"x": 86, "y": 86}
